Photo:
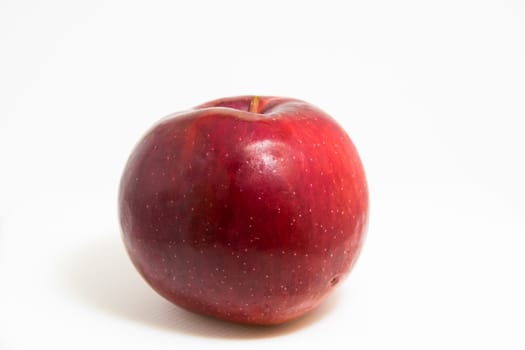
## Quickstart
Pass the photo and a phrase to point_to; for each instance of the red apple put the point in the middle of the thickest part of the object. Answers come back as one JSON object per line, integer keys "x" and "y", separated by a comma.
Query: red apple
{"x": 249, "y": 209}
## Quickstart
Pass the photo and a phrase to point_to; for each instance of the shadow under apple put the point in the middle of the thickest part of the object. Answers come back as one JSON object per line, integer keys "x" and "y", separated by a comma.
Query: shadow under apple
{"x": 101, "y": 275}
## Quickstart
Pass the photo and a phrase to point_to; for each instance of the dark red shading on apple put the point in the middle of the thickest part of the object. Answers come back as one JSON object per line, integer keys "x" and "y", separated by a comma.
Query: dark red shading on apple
{"x": 247, "y": 209}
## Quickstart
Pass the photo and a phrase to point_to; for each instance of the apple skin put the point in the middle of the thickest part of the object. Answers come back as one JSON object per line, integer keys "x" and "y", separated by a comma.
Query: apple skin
{"x": 249, "y": 213}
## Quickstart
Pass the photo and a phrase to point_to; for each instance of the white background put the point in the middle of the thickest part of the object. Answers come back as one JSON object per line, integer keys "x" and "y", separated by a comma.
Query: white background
{"x": 431, "y": 92}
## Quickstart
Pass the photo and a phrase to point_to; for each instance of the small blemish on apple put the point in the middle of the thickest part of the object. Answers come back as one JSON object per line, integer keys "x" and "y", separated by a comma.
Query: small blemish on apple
{"x": 334, "y": 281}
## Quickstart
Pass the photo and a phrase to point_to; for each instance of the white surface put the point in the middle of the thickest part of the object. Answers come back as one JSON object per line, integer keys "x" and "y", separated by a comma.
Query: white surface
{"x": 432, "y": 93}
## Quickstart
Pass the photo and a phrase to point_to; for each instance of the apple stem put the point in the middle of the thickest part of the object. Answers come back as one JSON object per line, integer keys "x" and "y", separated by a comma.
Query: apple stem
{"x": 254, "y": 104}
